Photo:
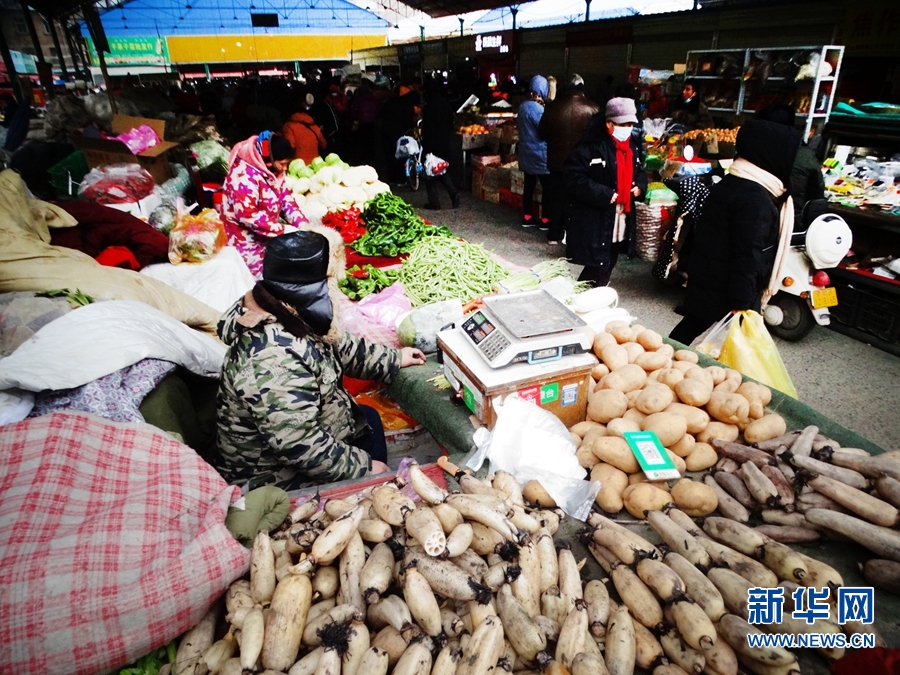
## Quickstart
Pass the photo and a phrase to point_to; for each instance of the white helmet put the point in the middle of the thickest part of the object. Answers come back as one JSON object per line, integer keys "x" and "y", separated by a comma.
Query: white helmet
{"x": 827, "y": 240}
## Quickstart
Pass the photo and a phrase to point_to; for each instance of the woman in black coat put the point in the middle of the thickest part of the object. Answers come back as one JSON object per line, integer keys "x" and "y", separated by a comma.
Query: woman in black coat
{"x": 736, "y": 238}
{"x": 600, "y": 212}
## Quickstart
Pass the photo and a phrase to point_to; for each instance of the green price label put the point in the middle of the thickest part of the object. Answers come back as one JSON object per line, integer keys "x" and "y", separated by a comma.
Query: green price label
{"x": 549, "y": 393}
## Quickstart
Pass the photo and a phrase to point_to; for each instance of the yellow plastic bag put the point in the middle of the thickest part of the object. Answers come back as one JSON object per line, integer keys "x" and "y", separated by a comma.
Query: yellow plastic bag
{"x": 749, "y": 349}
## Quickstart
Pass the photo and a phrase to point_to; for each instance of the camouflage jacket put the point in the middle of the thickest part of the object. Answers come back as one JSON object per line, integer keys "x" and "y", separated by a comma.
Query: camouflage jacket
{"x": 283, "y": 415}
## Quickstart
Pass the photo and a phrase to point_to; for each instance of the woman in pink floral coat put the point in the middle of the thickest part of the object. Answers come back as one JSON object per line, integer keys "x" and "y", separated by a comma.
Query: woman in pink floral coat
{"x": 256, "y": 205}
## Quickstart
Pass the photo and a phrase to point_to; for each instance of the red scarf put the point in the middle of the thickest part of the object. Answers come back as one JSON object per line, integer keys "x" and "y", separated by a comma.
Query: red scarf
{"x": 624, "y": 171}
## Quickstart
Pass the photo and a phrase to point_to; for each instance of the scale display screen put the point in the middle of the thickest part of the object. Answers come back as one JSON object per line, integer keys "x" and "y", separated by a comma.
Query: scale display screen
{"x": 478, "y": 327}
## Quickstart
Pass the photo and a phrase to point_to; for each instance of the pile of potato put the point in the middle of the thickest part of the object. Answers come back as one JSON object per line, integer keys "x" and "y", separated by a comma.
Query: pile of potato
{"x": 721, "y": 135}
{"x": 643, "y": 384}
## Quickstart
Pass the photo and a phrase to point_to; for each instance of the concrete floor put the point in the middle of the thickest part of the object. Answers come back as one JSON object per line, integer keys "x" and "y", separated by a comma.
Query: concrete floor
{"x": 849, "y": 381}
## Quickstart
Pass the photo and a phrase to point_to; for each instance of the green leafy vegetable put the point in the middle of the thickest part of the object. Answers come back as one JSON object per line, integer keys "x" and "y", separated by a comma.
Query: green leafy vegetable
{"x": 362, "y": 281}
{"x": 76, "y": 297}
{"x": 392, "y": 227}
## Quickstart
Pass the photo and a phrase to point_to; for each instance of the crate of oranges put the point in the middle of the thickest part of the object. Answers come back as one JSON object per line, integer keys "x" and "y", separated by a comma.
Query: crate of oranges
{"x": 473, "y": 136}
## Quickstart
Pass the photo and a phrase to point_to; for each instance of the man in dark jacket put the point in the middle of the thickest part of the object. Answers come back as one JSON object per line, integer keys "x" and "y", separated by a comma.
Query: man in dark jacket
{"x": 736, "y": 238}
{"x": 603, "y": 177}
{"x": 689, "y": 110}
{"x": 437, "y": 139}
{"x": 561, "y": 126}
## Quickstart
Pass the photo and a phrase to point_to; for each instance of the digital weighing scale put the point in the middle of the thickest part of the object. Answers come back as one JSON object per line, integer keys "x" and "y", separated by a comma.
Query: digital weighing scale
{"x": 527, "y": 327}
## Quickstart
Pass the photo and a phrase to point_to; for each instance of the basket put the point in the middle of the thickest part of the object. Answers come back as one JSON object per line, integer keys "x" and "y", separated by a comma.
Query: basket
{"x": 880, "y": 316}
{"x": 67, "y": 174}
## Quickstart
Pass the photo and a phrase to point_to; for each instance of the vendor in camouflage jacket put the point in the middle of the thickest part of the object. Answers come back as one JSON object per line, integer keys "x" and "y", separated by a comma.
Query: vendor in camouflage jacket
{"x": 284, "y": 417}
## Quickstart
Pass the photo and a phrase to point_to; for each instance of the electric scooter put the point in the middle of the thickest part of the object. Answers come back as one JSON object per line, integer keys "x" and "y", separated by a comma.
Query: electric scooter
{"x": 805, "y": 293}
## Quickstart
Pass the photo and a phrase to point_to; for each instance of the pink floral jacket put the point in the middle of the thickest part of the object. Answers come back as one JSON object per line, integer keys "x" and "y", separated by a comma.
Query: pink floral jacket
{"x": 251, "y": 208}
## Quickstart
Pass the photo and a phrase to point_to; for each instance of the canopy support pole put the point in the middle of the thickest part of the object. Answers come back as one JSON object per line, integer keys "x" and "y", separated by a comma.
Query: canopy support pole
{"x": 461, "y": 22}
{"x": 59, "y": 52}
{"x": 514, "y": 11}
{"x": 10, "y": 67}
{"x": 587, "y": 11}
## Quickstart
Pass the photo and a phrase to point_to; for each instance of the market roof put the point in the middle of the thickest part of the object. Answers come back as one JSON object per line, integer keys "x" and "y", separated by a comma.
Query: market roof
{"x": 140, "y": 18}
{"x": 439, "y": 8}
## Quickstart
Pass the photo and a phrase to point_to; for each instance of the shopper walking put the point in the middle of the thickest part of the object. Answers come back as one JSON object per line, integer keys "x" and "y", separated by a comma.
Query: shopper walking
{"x": 562, "y": 126}
{"x": 747, "y": 219}
{"x": 437, "y": 136}
{"x": 531, "y": 149}
{"x": 603, "y": 178}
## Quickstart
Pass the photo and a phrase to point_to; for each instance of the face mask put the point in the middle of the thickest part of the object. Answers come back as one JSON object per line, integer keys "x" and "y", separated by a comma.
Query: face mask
{"x": 621, "y": 133}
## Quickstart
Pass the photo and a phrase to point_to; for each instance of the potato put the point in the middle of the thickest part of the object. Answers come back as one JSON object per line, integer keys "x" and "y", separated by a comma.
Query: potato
{"x": 651, "y": 361}
{"x": 622, "y": 333}
{"x": 605, "y": 405}
{"x": 717, "y": 373}
{"x": 667, "y": 349}
{"x": 600, "y": 371}
{"x": 642, "y": 497}
{"x": 614, "y": 356}
{"x": 581, "y": 428}
{"x": 601, "y": 340}
{"x": 765, "y": 428}
{"x": 641, "y": 477}
{"x": 649, "y": 340}
{"x": 632, "y": 397}
{"x": 613, "y": 482}
{"x": 669, "y": 377}
{"x": 684, "y": 366}
{"x": 621, "y": 425}
{"x": 634, "y": 350}
{"x": 585, "y": 457}
{"x": 677, "y": 461}
{"x": 702, "y": 457}
{"x": 702, "y": 374}
{"x": 614, "y": 325}
{"x": 759, "y": 397}
{"x": 634, "y": 415}
{"x": 576, "y": 439}
{"x": 595, "y": 432}
{"x": 668, "y": 427}
{"x": 720, "y": 430}
{"x": 695, "y": 499}
{"x": 654, "y": 375}
{"x": 728, "y": 408}
{"x": 693, "y": 391}
{"x": 627, "y": 378}
{"x": 654, "y": 398}
{"x": 696, "y": 418}
{"x": 614, "y": 450}
{"x": 535, "y": 493}
{"x": 687, "y": 355}
{"x": 684, "y": 446}
{"x": 637, "y": 328}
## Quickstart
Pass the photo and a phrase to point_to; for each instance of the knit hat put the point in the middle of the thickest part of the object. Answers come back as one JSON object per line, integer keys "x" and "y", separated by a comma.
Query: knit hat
{"x": 621, "y": 110}
{"x": 295, "y": 270}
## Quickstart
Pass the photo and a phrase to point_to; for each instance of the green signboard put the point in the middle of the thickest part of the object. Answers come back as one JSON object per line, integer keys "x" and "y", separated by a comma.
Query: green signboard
{"x": 132, "y": 51}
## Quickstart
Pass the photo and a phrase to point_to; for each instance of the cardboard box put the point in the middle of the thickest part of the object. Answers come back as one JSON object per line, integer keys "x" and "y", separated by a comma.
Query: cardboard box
{"x": 560, "y": 387}
{"x": 141, "y": 209}
{"x": 485, "y": 160}
{"x": 102, "y": 151}
{"x": 477, "y": 184}
{"x": 491, "y": 177}
{"x": 492, "y": 196}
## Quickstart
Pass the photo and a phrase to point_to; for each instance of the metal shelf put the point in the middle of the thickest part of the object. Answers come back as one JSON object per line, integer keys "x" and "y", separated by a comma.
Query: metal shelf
{"x": 713, "y": 77}
{"x": 728, "y": 110}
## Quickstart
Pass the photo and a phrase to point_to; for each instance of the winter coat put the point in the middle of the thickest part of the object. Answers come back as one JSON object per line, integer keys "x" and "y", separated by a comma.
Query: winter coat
{"x": 590, "y": 179}
{"x": 563, "y": 124}
{"x": 692, "y": 114}
{"x": 305, "y": 136}
{"x": 437, "y": 126}
{"x": 252, "y": 202}
{"x": 736, "y": 238}
{"x": 283, "y": 415}
{"x": 531, "y": 149}
{"x": 807, "y": 183}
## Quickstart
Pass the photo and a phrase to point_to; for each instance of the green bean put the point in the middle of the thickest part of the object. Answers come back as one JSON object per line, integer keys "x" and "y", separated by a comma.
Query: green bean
{"x": 443, "y": 268}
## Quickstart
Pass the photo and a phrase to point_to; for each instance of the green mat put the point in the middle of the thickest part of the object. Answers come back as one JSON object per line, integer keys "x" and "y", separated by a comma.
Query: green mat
{"x": 450, "y": 425}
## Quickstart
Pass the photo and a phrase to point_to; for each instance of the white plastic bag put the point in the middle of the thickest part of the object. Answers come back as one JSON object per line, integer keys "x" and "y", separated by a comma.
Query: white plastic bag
{"x": 434, "y": 165}
{"x": 533, "y": 444}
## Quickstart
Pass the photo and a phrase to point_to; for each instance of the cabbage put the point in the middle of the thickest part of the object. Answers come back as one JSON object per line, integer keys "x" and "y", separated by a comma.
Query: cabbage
{"x": 305, "y": 172}
{"x": 295, "y": 167}
{"x": 332, "y": 158}
{"x": 352, "y": 177}
{"x": 301, "y": 185}
{"x": 317, "y": 163}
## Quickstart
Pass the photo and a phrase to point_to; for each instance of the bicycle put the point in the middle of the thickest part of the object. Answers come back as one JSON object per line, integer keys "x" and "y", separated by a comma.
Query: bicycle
{"x": 409, "y": 147}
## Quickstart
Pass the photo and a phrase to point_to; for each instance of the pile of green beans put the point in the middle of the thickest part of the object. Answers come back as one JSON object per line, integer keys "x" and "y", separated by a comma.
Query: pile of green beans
{"x": 443, "y": 268}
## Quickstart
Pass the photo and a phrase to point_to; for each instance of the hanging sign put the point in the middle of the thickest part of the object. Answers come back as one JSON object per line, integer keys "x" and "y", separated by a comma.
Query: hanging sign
{"x": 132, "y": 51}
{"x": 24, "y": 64}
{"x": 491, "y": 43}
